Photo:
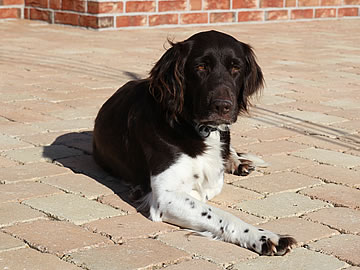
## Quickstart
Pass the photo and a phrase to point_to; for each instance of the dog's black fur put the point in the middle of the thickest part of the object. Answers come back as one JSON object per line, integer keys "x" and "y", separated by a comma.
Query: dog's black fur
{"x": 206, "y": 79}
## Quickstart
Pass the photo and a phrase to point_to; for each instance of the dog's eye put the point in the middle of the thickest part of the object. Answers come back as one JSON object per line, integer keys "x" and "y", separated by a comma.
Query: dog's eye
{"x": 235, "y": 68}
{"x": 201, "y": 67}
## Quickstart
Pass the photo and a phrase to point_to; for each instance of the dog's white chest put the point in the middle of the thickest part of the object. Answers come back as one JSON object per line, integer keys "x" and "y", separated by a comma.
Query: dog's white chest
{"x": 202, "y": 177}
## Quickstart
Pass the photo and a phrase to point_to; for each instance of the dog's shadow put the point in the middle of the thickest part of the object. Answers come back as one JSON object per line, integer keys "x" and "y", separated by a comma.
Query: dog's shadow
{"x": 74, "y": 151}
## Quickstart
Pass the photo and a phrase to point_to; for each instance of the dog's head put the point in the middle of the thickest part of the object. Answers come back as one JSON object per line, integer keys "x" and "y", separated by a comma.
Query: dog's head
{"x": 207, "y": 79}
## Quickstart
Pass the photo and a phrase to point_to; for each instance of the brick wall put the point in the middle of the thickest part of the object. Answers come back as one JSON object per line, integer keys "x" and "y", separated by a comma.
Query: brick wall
{"x": 101, "y": 14}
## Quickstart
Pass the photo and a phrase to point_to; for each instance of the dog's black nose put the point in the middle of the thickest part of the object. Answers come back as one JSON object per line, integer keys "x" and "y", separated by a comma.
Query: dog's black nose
{"x": 222, "y": 107}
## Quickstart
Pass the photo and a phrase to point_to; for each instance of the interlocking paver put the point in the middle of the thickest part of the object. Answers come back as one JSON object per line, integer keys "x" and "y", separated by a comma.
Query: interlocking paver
{"x": 214, "y": 250}
{"x": 14, "y": 212}
{"x": 31, "y": 171}
{"x": 346, "y": 247}
{"x": 8, "y": 242}
{"x": 25, "y": 190}
{"x": 282, "y": 205}
{"x": 134, "y": 254}
{"x": 305, "y": 124}
{"x": 335, "y": 194}
{"x": 72, "y": 208}
{"x": 56, "y": 237}
{"x": 27, "y": 258}
{"x": 300, "y": 258}
{"x": 332, "y": 174}
{"x": 344, "y": 219}
{"x": 278, "y": 182}
{"x": 302, "y": 230}
{"x": 329, "y": 157}
{"x": 122, "y": 228}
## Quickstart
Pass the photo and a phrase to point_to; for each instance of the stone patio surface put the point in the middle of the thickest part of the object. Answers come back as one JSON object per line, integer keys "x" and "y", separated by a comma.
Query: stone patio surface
{"x": 58, "y": 210}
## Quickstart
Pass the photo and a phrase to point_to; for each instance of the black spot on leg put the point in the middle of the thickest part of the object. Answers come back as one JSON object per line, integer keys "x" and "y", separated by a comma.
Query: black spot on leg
{"x": 206, "y": 197}
{"x": 204, "y": 214}
{"x": 158, "y": 206}
{"x": 232, "y": 231}
{"x": 210, "y": 209}
{"x": 196, "y": 176}
{"x": 261, "y": 230}
{"x": 161, "y": 214}
{"x": 192, "y": 204}
{"x": 170, "y": 202}
{"x": 263, "y": 238}
{"x": 209, "y": 217}
{"x": 254, "y": 246}
{"x": 186, "y": 199}
{"x": 222, "y": 229}
{"x": 220, "y": 221}
{"x": 246, "y": 231}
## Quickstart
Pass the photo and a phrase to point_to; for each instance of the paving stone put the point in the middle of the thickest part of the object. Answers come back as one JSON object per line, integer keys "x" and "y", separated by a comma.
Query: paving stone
{"x": 219, "y": 252}
{"x": 231, "y": 195}
{"x": 7, "y": 143}
{"x": 78, "y": 184}
{"x": 302, "y": 230}
{"x": 72, "y": 208}
{"x": 333, "y": 174}
{"x": 42, "y": 139}
{"x": 115, "y": 201}
{"x": 25, "y": 190}
{"x": 27, "y": 258}
{"x": 123, "y": 228}
{"x": 320, "y": 141}
{"x": 195, "y": 264}
{"x": 282, "y": 205}
{"x": 272, "y": 148}
{"x": 315, "y": 117}
{"x": 283, "y": 162}
{"x": 270, "y": 134}
{"x": 13, "y": 212}
{"x": 134, "y": 254}
{"x": 278, "y": 182}
{"x": 66, "y": 125}
{"x": 56, "y": 237}
{"x": 352, "y": 125}
{"x": 6, "y": 163}
{"x": 299, "y": 258}
{"x": 38, "y": 154}
{"x": 272, "y": 100}
{"x": 7, "y": 242}
{"x": 348, "y": 113}
{"x": 345, "y": 247}
{"x": 31, "y": 171}
{"x": 335, "y": 194}
{"x": 344, "y": 219}
{"x": 343, "y": 103}
{"x": 329, "y": 157}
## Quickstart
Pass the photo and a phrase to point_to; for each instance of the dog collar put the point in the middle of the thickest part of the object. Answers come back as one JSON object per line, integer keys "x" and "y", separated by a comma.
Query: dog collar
{"x": 204, "y": 130}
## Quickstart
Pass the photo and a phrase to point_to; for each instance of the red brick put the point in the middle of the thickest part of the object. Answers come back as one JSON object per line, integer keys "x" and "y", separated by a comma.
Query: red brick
{"x": 55, "y": 4}
{"x": 10, "y": 13}
{"x": 37, "y": 3}
{"x": 331, "y": 3}
{"x": 195, "y": 4}
{"x": 290, "y": 3}
{"x": 244, "y": 3}
{"x": 302, "y": 14}
{"x": 271, "y": 3}
{"x": 193, "y": 18}
{"x": 140, "y": 6}
{"x": 105, "y": 7}
{"x": 172, "y": 5}
{"x": 245, "y": 16}
{"x": 216, "y": 4}
{"x": 42, "y": 15}
{"x": 26, "y": 13}
{"x": 222, "y": 17}
{"x": 74, "y": 5}
{"x": 11, "y": 2}
{"x": 163, "y": 19}
{"x": 125, "y": 21}
{"x": 66, "y": 18}
{"x": 308, "y": 3}
{"x": 277, "y": 15}
{"x": 343, "y": 12}
{"x": 96, "y": 22}
{"x": 325, "y": 13}
{"x": 351, "y": 2}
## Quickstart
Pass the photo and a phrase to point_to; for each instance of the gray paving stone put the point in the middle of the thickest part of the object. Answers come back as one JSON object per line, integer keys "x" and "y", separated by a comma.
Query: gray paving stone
{"x": 73, "y": 208}
{"x": 315, "y": 117}
{"x": 282, "y": 205}
{"x": 329, "y": 157}
{"x": 8, "y": 242}
{"x": 345, "y": 103}
{"x": 299, "y": 259}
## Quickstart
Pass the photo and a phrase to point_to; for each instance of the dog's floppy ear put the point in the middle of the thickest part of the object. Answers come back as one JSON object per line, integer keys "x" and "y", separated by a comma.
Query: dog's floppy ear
{"x": 254, "y": 79}
{"x": 167, "y": 79}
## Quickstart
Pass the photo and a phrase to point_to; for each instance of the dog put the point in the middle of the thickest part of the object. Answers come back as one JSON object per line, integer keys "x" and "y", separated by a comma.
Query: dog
{"x": 169, "y": 136}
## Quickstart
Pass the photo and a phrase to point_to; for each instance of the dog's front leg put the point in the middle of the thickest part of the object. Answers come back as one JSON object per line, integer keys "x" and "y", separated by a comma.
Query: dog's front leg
{"x": 185, "y": 211}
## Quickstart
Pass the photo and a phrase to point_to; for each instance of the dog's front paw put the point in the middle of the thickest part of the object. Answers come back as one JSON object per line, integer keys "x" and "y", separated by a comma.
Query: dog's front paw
{"x": 244, "y": 168}
{"x": 270, "y": 244}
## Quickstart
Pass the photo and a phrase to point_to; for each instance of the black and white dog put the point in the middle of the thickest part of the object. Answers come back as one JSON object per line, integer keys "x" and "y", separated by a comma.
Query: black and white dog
{"x": 169, "y": 135}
